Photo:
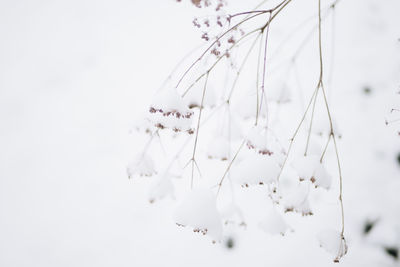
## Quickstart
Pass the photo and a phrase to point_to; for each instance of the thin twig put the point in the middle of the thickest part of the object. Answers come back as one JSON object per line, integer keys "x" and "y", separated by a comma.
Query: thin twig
{"x": 326, "y": 147}
{"x": 197, "y": 132}
{"x": 296, "y": 132}
{"x": 212, "y": 44}
{"x": 332, "y": 133}
{"x": 278, "y": 8}
{"x": 218, "y": 60}
{"x": 229, "y": 166}
{"x": 257, "y": 81}
{"x": 264, "y": 69}
{"x": 311, "y": 122}
{"x": 242, "y": 65}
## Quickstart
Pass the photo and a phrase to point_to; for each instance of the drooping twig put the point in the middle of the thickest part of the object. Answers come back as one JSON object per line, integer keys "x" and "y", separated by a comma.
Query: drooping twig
{"x": 229, "y": 166}
{"x": 325, "y": 148}
{"x": 263, "y": 96}
{"x": 311, "y": 121}
{"x": 197, "y": 131}
{"x": 242, "y": 65}
{"x": 342, "y": 249}
{"x": 218, "y": 60}
{"x": 278, "y": 8}
{"x": 295, "y": 133}
{"x": 213, "y": 43}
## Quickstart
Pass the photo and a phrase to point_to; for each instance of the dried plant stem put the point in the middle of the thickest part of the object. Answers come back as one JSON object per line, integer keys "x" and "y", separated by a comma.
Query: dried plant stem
{"x": 230, "y": 165}
{"x": 332, "y": 133}
{"x": 176, "y": 156}
{"x": 213, "y": 43}
{"x": 311, "y": 121}
{"x": 260, "y": 4}
{"x": 250, "y": 12}
{"x": 191, "y": 136}
{"x": 278, "y": 8}
{"x": 296, "y": 132}
{"x": 178, "y": 65}
{"x": 307, "y": 38}
{"x": 193, "y": 160}
{"x": 319, "y": 85}
{"x": 326, "y": 147}
{"x": 332, "y": 52}
{"x": 263, "y": 96}
{"x": 242, "y": 65}
{"x": 258, "y": 82}
{"x": 218, "y": 60}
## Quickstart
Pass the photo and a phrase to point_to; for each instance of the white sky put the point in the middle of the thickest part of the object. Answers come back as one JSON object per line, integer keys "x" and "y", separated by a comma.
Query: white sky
{"x": 74, "y": 75}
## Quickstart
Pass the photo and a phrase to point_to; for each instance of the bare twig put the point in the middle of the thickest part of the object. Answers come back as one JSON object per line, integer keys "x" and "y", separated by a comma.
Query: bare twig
{"x": 193, "y": 160}
{"x": 264, "y": 68}
{"x": 213, "y": 43}
{"x": 230, "y": 165}
{"x": 242, "y": 65}
{"x": 332, "y": 133}
{"x": 218, "y": 60}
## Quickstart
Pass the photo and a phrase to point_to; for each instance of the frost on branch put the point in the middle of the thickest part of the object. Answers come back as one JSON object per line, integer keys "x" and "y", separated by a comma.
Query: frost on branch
{"x": 333, "y": 242}
{"x": 256, "y": 169}
{"x": 310, "y": 168}
{"x": 199, "y": 211}
{"x": 253, "y": 155}
{"x": 169, "y": 110}
{"x": 274, "y": 223}
{"x": 142, "y": 165}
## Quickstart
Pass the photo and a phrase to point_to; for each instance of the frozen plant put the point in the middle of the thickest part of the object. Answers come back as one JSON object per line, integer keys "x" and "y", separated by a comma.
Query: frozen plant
{"x": 242, "y": 131}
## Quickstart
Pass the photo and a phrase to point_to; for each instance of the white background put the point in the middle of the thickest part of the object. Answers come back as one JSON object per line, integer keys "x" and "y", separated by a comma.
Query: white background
{"x": 73, "y": 77}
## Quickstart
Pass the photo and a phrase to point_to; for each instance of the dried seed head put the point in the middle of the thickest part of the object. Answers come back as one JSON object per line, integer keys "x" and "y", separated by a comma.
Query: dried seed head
{"x": 205, "y": 37}
{"x": 196, "y": 23}
{"x": 197, "y": 3}
{"x": 231, "y": 40}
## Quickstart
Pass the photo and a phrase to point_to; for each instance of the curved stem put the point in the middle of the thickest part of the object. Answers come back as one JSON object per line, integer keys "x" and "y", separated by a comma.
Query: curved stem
{"x": 242, "y": 65}
{"x": 212, "y": 44}
{"x": 332, "y": 133}
{"x": 197, "y": 132}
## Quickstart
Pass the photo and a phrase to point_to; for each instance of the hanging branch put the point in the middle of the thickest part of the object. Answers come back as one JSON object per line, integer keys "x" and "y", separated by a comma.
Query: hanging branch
{"x": 279, "y": 8}
{"x": 193, "y": 160}
{"x": 242, "y": 65}
{"x": 264, "y": 69}
{"x": 218, "y": 60}
{"x": 343, "y": 246}
{"x": 212, "y": 44}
